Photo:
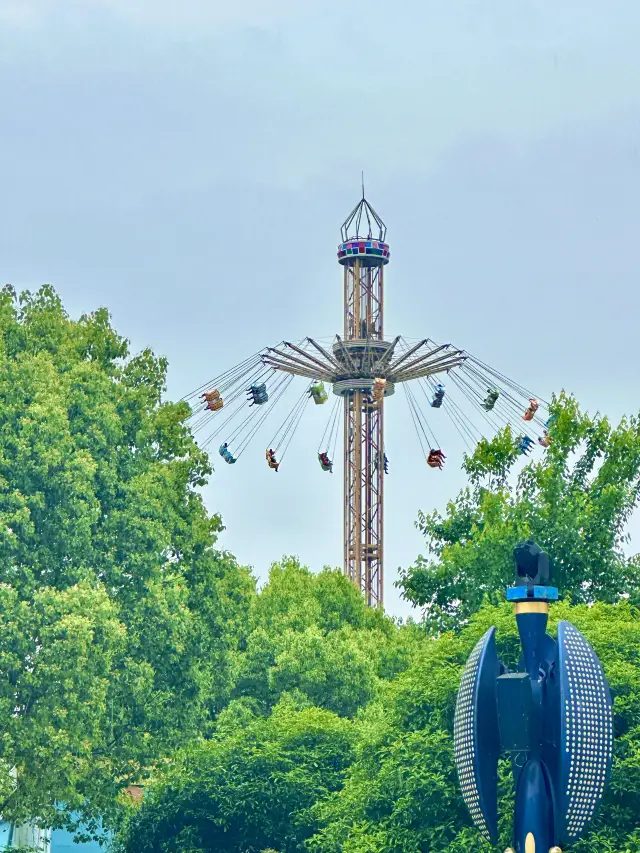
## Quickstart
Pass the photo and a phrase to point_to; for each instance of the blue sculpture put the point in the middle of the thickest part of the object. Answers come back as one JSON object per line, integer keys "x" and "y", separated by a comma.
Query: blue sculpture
{"x": 554, "y": 716}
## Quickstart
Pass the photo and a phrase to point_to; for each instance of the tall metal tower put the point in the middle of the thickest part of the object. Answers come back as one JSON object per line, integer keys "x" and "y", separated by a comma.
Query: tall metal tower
{"x": 364, "y": 461}
{"x": 363, "y": 369}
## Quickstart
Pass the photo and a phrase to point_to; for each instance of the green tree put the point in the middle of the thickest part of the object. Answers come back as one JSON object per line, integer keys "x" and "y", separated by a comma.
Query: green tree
{"x": 314, "y": 634}
{"x": 401, "y": 793}
{"x": 575, "y": 503}
{"x": 302, "y": 778}
{"x": 249, "y": 788}
{"x": 114, "y": 600}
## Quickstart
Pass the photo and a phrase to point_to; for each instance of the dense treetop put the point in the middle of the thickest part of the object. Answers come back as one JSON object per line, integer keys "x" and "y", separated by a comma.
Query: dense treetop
{"x": 303, "y": 778}
{"x": 292, "y": 718}
{"x": 575, "y": 502}
{"x": 114, "y": 602}
{"x": 395, "y": 789}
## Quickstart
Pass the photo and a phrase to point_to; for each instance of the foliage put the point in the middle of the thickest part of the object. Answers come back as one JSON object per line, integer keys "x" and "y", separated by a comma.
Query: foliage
{"x": 286, "y": 720}
{"x": 401, "y": 791}
{"x": 249, "y": 788}
{"x": 302, "y": 778}
{"x": 314, "y": 635}
{"x": 313, "y": 654}
{"x": 111, "y": 615}
{"x": 575, "y": 503}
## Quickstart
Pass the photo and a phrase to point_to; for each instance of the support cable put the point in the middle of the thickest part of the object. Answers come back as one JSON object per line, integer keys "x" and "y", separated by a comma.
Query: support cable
{"x": 296, "y": 416}
{"x": 285, "y": 427}
{"x": 228, "y": 377}
{"x": 506, "y": 398}
{"x": 282, "y": 388}
{"x": 455, "y": 414}
{"x": 329, "y": 425}
{"x": 224, "y": 423}
{"x": 413, "y": 418}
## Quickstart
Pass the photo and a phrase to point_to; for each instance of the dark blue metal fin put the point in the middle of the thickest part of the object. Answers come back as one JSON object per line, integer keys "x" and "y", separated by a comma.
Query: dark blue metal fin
{"x": 586, "y": 732}
{"x": 477, "y": 737}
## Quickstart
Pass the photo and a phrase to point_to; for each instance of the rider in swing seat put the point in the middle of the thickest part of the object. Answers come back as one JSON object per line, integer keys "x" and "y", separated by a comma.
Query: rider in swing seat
{"x": 533, "y": 408}
{"x": 438, "y": 397}
{"x": 271, "y": 460}
{"x": 436, "y": 459}
{"x": 325, "y": 463}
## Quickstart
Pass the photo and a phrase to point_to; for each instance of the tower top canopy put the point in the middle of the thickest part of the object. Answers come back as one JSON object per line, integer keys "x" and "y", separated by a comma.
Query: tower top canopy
{"x": 363, "y": 223}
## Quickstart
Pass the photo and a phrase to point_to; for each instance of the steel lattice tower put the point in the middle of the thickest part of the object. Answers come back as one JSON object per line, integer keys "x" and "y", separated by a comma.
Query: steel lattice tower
{"x": 363, "y": 421}
{"x": 363, "y": 369}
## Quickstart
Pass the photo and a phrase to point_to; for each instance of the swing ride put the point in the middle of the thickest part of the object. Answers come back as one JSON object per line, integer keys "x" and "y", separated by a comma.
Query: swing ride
{"x": 362, "y": 369}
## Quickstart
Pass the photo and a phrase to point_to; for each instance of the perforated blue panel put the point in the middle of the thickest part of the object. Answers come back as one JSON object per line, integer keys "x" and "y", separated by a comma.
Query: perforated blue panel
{"x": 586, "y": 731}
{"x": 476, "y": 763}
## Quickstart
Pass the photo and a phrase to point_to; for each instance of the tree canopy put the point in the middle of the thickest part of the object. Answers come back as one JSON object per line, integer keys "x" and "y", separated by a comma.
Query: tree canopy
{"x": 575, "y": 502}
{"x": 251, "y": 787}
{"x": 114, "y": 603}
{"x": 313, "y": 634}
{"x": 292, "y": 719}
{"x": 396, "y": 790}
{"x": 401, "y": 792}
{"x": 302, "y": 778}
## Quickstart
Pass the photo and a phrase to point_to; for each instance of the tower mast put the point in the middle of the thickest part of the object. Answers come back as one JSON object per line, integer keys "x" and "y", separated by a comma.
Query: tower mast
{"x": 363, "y": 369}
{"x": 363, "y": 254}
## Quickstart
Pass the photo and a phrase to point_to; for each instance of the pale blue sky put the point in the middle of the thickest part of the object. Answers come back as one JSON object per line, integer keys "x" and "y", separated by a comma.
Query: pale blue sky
{"x": 187, "y": 163}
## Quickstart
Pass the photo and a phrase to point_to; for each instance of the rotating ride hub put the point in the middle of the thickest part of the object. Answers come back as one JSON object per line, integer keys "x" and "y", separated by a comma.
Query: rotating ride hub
{"x": 360, "y": 363}
{"x": 346, "y": 387}
{"x": 553, "y": 716}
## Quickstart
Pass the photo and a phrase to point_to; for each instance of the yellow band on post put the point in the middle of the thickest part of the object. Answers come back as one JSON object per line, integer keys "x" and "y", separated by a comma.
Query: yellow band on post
{"x": 532, "y": 607}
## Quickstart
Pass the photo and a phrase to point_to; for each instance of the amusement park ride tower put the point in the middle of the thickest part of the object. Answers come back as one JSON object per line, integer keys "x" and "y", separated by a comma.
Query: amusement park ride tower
{"x": 364, "y": 461}
{"x": 364, "y": 368}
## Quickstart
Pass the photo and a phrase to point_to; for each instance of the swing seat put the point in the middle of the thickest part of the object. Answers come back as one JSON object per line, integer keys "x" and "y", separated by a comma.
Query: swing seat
{"x": 379, "y": 386}
{"x": 530, "y": 412}
{"x": 213, "y": 400}
{"x": 325, "y": 463}
{"x": 318, "y": 394}
{"x": 258, "y": 394}
{"x": 525, "y": 444}
{"x": 490, "y": 400}
{"x": 438, "y": 397}
{"x": 226, "y": 454}
{"x": 435, "y": 459}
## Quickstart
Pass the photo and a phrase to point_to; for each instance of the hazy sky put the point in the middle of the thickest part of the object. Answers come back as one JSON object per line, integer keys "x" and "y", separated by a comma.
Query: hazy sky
{"x": 189, "y": 165}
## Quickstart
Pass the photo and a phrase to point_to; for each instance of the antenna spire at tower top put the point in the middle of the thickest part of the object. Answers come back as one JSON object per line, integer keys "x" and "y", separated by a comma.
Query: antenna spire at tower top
{"x": 363, "y": 215}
